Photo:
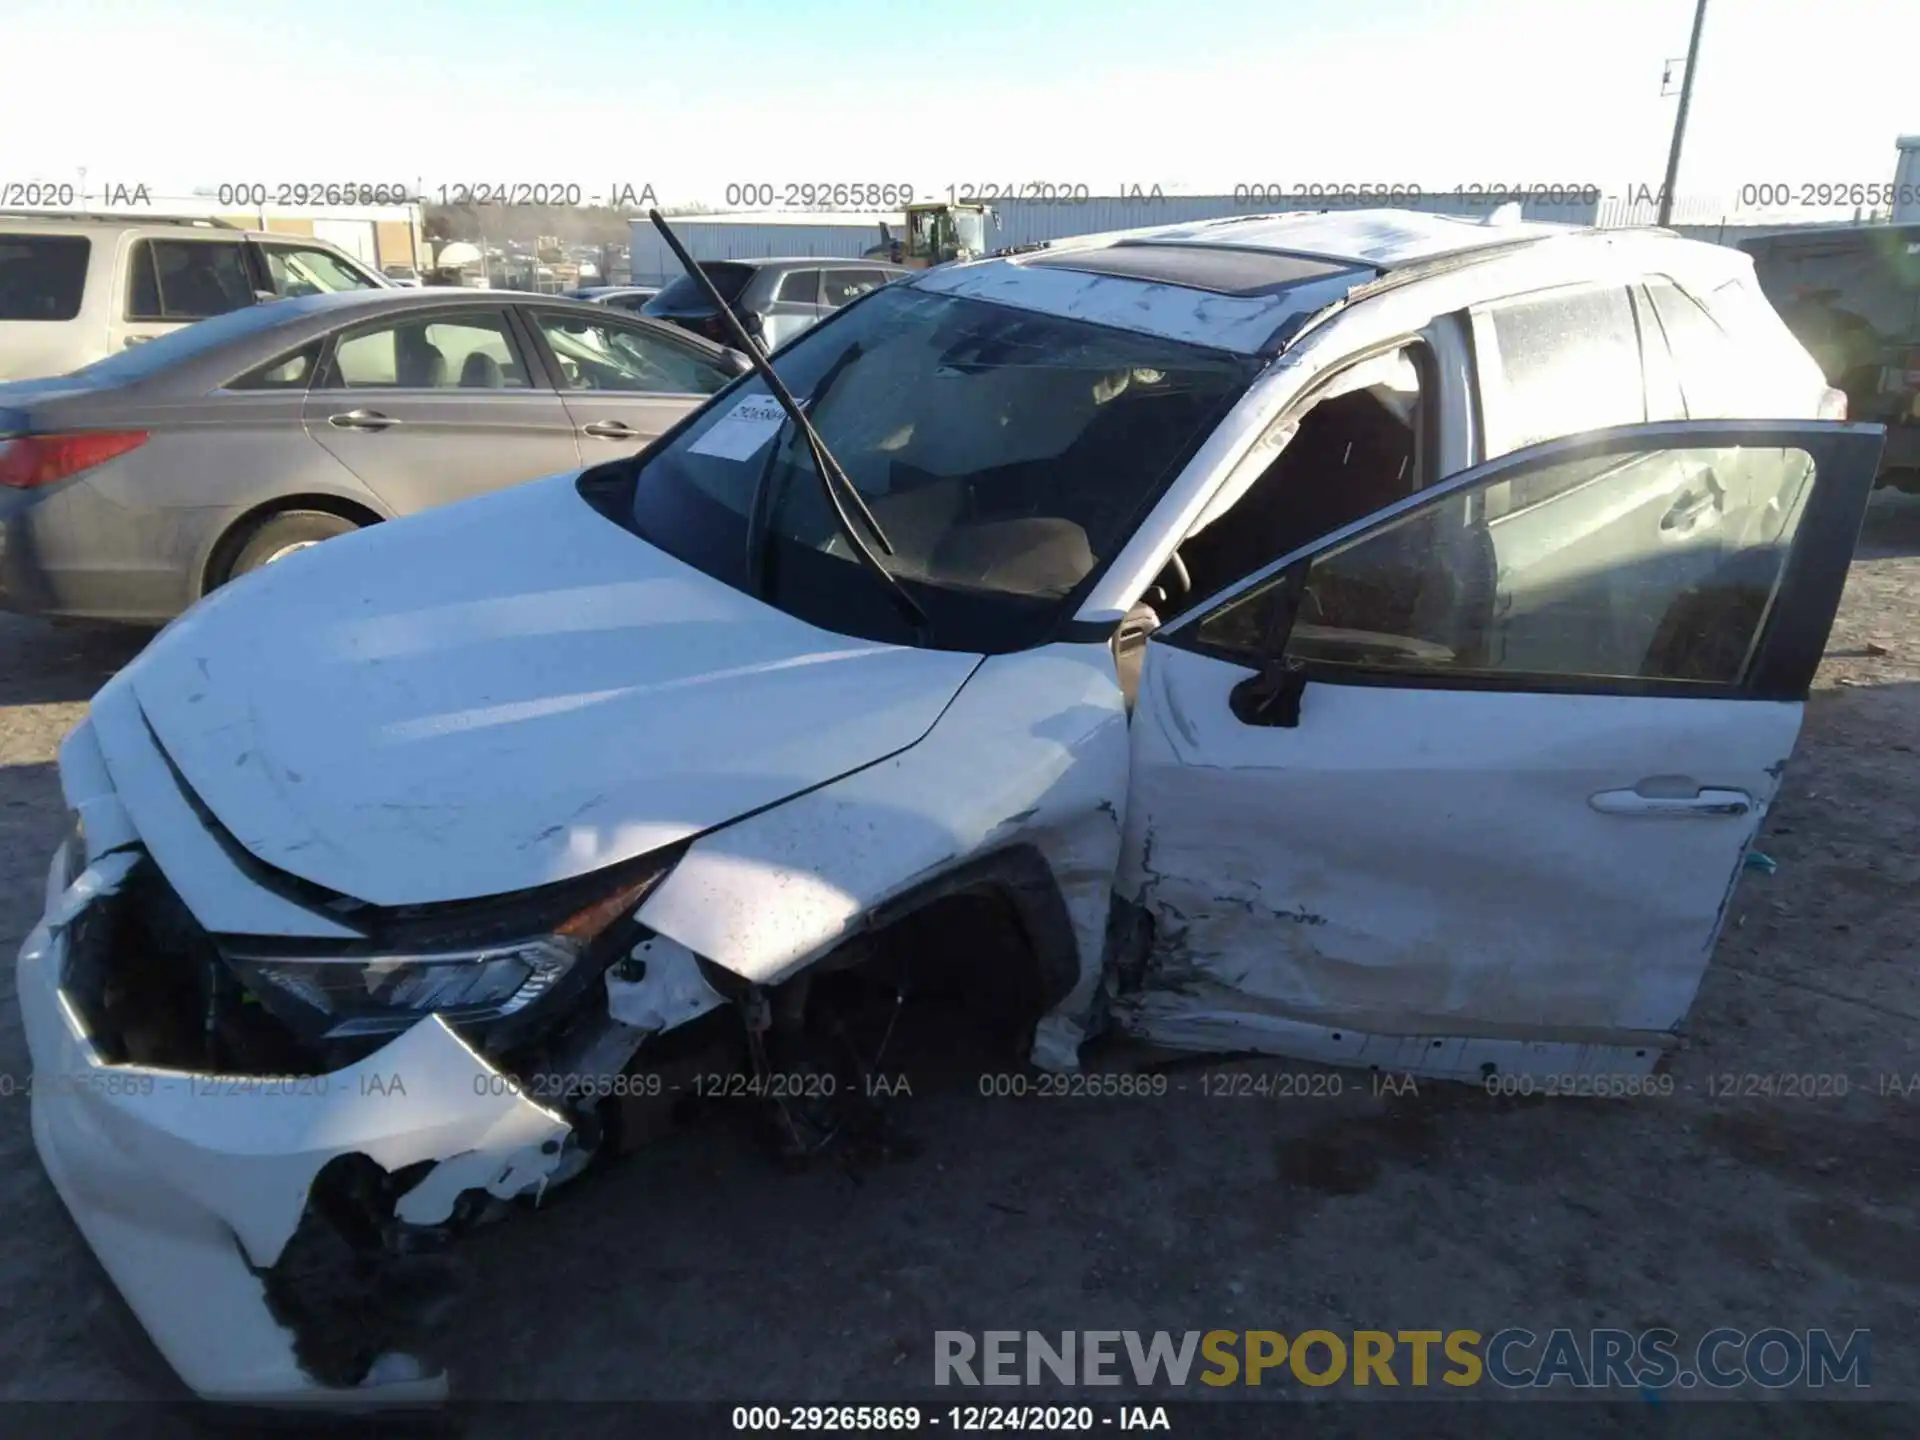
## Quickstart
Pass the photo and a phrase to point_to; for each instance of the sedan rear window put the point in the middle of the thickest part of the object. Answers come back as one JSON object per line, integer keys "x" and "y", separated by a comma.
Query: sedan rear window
{"x": 686, "y": 293}
{"x": 1008, "y": 456}
{"x": 42, "y": 277}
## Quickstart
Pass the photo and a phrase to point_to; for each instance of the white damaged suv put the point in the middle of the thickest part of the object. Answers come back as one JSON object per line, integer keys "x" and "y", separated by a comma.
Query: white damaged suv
{"x": 1371, "y": 637}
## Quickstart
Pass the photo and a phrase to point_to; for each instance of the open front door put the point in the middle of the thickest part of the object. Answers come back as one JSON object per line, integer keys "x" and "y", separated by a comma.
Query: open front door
{"x": 1464, "y": 789}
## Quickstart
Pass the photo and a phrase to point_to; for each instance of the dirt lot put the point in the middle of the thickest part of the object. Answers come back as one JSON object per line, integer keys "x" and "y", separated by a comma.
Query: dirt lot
{"x": 702, "y": 1270}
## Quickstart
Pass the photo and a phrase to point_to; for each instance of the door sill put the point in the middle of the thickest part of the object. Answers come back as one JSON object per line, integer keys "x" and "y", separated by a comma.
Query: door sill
{"x": 1184, "y": 1022}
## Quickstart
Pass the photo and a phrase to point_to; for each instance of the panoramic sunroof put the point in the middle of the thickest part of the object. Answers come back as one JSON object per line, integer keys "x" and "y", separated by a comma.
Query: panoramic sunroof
{"x": 1220, "y": 269}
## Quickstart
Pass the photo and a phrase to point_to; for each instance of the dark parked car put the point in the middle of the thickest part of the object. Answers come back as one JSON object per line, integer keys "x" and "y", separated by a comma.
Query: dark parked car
{"x": 1851, "y": 293}
{"x": 131, "y": 487}
{"x": 775, "y": 299}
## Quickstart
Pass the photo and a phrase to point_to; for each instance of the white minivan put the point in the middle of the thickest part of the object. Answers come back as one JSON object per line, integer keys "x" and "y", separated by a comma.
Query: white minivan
{"x": 77, "y": 288}
{"x": 1372, "y": 637}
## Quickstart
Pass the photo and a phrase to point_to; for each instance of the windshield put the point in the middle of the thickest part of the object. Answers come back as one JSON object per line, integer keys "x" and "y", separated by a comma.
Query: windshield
{"x": 1006, "y": 455}
{"x": 298, "y": 272}
{"x": 686, "y": 293}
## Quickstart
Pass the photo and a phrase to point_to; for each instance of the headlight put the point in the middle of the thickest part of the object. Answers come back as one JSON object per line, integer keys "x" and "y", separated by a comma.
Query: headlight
{"x": 378, "y": 994}
{"x": 380, "y": 990}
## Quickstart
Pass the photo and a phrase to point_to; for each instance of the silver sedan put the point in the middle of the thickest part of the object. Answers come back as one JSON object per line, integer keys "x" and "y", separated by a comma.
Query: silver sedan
{"x": 132, "y": 487}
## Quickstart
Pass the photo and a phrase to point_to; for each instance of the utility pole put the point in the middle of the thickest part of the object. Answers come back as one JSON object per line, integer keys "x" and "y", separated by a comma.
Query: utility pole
{"x": 1680, "y": 119}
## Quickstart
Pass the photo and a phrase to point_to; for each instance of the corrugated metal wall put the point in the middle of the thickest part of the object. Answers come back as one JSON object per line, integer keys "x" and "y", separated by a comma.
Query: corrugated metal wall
{"x": 707, "y": 239}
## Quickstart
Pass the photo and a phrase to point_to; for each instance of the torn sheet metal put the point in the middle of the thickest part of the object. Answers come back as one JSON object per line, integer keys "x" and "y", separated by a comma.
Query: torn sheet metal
{"x": 668, "y": 992}
{"x": 89, "y": 793}
{"x": 186, "y": 1185}
{"x": 1032, "y": 752}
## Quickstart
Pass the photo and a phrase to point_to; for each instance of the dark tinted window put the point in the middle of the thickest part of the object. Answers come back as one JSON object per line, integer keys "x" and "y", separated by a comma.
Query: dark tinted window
{"x": 187, "y": 279}
{"x": 800, "y": 287}
{"x": 686, "y": 292}
{"x": 42, "y": 277}
{"x": 288, "y": 372}
{"x": 844, "y": 285}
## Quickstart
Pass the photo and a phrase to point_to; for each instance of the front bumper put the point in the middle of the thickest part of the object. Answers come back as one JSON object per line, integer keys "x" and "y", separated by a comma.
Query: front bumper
{"x": 188, "y": 1188}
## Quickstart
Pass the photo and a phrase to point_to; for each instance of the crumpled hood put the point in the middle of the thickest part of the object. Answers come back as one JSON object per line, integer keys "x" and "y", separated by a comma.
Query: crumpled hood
{"x": 504, "y": 693}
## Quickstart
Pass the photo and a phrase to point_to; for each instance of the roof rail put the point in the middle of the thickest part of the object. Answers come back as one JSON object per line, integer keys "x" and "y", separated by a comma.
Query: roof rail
{"x": 139, "y": 217}
{"x": 1296, "y": 326}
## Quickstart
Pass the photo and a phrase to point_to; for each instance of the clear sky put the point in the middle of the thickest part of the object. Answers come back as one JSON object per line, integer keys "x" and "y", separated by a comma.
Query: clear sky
{"x": 1200, "y": 95}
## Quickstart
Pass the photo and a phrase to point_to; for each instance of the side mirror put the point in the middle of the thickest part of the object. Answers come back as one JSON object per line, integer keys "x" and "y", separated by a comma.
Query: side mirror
{"x": 735, "y": 363}
{"x": 1273, "y": 696}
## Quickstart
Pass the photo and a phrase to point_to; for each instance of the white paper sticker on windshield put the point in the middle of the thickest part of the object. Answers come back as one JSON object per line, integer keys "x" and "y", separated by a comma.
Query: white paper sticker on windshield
{"x": 742, "y": 430}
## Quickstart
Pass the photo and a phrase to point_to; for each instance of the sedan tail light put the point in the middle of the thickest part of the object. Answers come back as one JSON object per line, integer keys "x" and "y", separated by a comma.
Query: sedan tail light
{"x": 28, "y": 461}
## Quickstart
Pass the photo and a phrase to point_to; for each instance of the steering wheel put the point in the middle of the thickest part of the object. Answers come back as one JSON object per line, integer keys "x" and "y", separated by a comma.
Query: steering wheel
{"x": 1177, "y": 568}
{"x": 1173, "y": 583}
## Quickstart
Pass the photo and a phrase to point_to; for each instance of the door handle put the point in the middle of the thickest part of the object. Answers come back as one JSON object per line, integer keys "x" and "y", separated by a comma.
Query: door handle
{"x": 1705, "y": 805}
{"x": 1691, "y": 506}
{"x": 133, "y": 340}
{"x": 361, "y": 420}
{"x": 610, "y": 430}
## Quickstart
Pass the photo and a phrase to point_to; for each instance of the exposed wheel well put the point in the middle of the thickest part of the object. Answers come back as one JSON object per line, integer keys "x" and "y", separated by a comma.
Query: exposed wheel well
{"x": 991, "y": 938}
{"x": 229, "y": 545}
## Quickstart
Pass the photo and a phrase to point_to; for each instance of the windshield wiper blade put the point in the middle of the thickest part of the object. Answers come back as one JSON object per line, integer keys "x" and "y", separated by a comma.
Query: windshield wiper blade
{"x": 833, "y": 480}
{"x": 766, "y": 503}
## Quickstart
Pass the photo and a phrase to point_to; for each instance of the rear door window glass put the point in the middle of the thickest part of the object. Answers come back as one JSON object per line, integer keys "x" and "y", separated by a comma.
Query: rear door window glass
{"x": 187, "y": 279}
{"x": 289, "y": 372}
{"x": 473, "y": 352}
{"x": 799, "y": 287}
{"x": 687, "y": 292}
{"x": 844, "y": 285}
{"x": 1558, "y": 364}
{"x": 42, "y": 277}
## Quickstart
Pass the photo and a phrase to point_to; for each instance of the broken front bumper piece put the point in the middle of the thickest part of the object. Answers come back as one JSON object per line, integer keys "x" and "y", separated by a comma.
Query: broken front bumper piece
{"x": 191, "y": 1189}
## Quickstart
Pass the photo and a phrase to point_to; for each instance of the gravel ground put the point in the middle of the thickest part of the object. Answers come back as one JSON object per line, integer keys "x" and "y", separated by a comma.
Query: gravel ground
{"x": 700, "y": 1270}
